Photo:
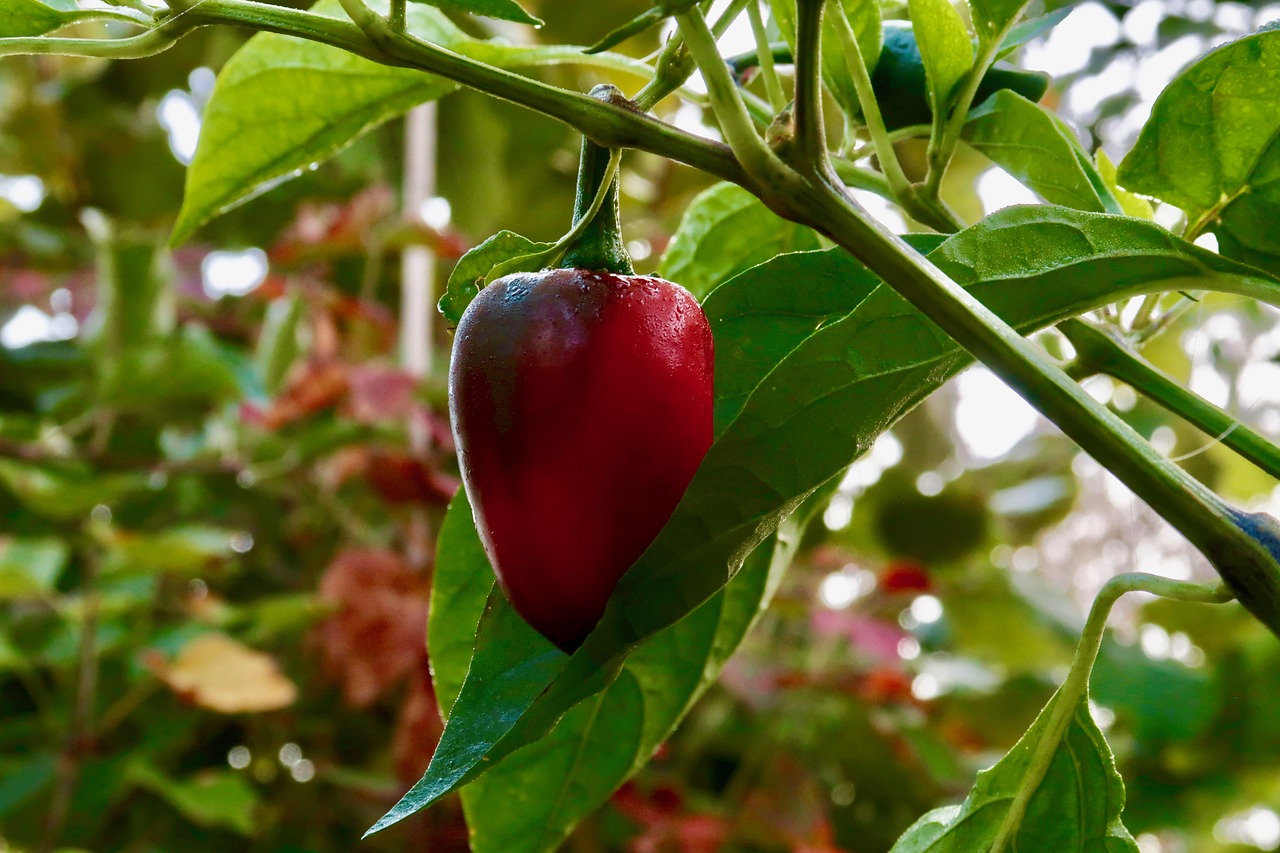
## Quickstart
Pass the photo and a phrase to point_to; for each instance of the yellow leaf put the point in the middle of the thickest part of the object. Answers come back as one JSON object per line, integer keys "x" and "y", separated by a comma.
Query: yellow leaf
{"x": 222, "y": 674}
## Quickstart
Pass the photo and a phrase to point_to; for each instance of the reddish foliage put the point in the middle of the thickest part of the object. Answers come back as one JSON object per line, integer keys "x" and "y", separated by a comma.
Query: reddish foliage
{"x": 402, "y": 479}
{"x": 905, "y": 576}
{"x": 664, "y": 828}
{"x": 312, "y": 386}
{"x": 379, "y": 393}
{"x": 886, "y": 684}
{"x": 376, "y": 636}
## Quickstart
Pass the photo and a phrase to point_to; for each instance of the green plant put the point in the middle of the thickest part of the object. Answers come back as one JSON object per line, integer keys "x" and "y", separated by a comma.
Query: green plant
{"x": 818, "y": 351}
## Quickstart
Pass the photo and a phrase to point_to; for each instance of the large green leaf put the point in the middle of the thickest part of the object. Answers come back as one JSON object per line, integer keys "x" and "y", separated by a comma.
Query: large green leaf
{"x": 944, "y": 46}
{"x": 1212, "y": 147}
{"x": 530, "y": 802}
{"x": 31, "y": 17}
{"x": 1074, "y": 809}
{"x": 824, "y": 403}
{"x": 1036, "y": 147}
{"x": 282, "y": 105}
{"x": 460, "y": 588}
{"x": 724, "y": 231}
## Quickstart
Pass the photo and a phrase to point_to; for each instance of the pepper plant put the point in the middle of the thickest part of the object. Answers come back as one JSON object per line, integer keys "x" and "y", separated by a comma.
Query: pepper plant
{"x": 817, "y": 351}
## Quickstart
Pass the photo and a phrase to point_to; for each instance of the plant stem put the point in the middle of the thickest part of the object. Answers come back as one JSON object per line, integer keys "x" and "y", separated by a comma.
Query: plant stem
{"x": 583, "y": 219}
{"x": 612, "y": 125}
{"x": 598, "y": 244}
{"x": 674, "y": 67}
{"x": 811, "y": 129}
{"x": 774, "y": 180}
{"x": 396, "y": 17}
{"x": 1066, "y": 702}
{"x": 772, "y": 85}
{"x": 1100, "y": 352}
{"x": 80, "y": 730}
{"x": 880, "y": 138}
{"x": 1199, "y": 514}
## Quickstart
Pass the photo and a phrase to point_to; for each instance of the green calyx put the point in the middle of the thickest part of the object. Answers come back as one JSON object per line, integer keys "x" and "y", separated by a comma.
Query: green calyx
{"x": 598, "y": 244}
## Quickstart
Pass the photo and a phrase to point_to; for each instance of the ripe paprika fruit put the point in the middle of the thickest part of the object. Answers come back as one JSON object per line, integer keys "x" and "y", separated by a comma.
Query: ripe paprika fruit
{"x": 581, "y": 400}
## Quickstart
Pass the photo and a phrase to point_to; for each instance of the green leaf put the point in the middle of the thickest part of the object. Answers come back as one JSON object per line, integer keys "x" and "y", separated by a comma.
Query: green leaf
{"x": 20, "y": 18}
{"x": 992, "y": 18}
{"x": 724, "y": 231}
{"x": 24, "y": 779}
{"x": 603, "y": 741}
{"x": 64, "y": 492}
{"x": 218, "y": 798}
{"x": 460, "y": 589}
{"x": 282, "y": 105}
{"x": 30, "y": 566}
{"x": 944, "y": 46}
{"x": 1075, "y": 808}
{"x": 1027, "y": 30}
{"x": 278, "y": 346}
{"x": 1212, "y": 147}
{"x": 472, "y": 270}
{"x": 1130, "y": 204}
{"x": 177, "y": 378}
{"x": 1036, "y": 147}
{"x": 824, "y": 403}
{"x": 618, "y": 728}
{"x": 865, "y": 19}
{"x": 506, "y": 10}
{"x": 186, "y": 550}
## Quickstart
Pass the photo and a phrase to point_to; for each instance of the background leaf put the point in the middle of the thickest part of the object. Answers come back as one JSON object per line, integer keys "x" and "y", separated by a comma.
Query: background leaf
{"x": 1075, "y": 808}
{"x": 29, "y": 18}
{"x": 1210, "y": 147}
{"x": 30, "y": 566}
{"x": 281, "y": 105}
{"x": 1036, "y": 147}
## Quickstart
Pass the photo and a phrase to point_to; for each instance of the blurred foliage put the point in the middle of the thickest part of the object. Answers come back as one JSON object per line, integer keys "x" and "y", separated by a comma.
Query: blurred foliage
{"x": 211, "y": 621}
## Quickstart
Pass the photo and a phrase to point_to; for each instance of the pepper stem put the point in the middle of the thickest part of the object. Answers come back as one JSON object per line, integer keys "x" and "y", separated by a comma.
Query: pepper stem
{"x": 598, "y": 246}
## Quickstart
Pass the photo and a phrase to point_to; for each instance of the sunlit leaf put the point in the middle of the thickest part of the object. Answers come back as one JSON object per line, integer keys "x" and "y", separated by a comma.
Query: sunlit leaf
{"x": 1212, "y": 147}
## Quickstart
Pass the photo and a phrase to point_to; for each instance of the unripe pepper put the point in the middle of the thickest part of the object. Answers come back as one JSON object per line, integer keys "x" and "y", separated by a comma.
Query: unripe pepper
{"x": 581, "y": 401}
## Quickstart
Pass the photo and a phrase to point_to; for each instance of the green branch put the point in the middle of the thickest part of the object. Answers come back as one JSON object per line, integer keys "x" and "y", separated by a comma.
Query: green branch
{"x": 811, "y": 128}
{"x": 1199, "y": 514}
{"x": 1100, "y": 352}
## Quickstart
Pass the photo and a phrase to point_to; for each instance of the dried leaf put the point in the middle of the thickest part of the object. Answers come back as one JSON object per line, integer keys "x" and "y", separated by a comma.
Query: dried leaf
{"x": 221, "y": 674}
{"x": 378, "y": 632}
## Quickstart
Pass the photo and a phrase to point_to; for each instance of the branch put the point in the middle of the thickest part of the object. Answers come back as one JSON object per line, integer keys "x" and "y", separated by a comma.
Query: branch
{"x": 1099, "y": 352}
